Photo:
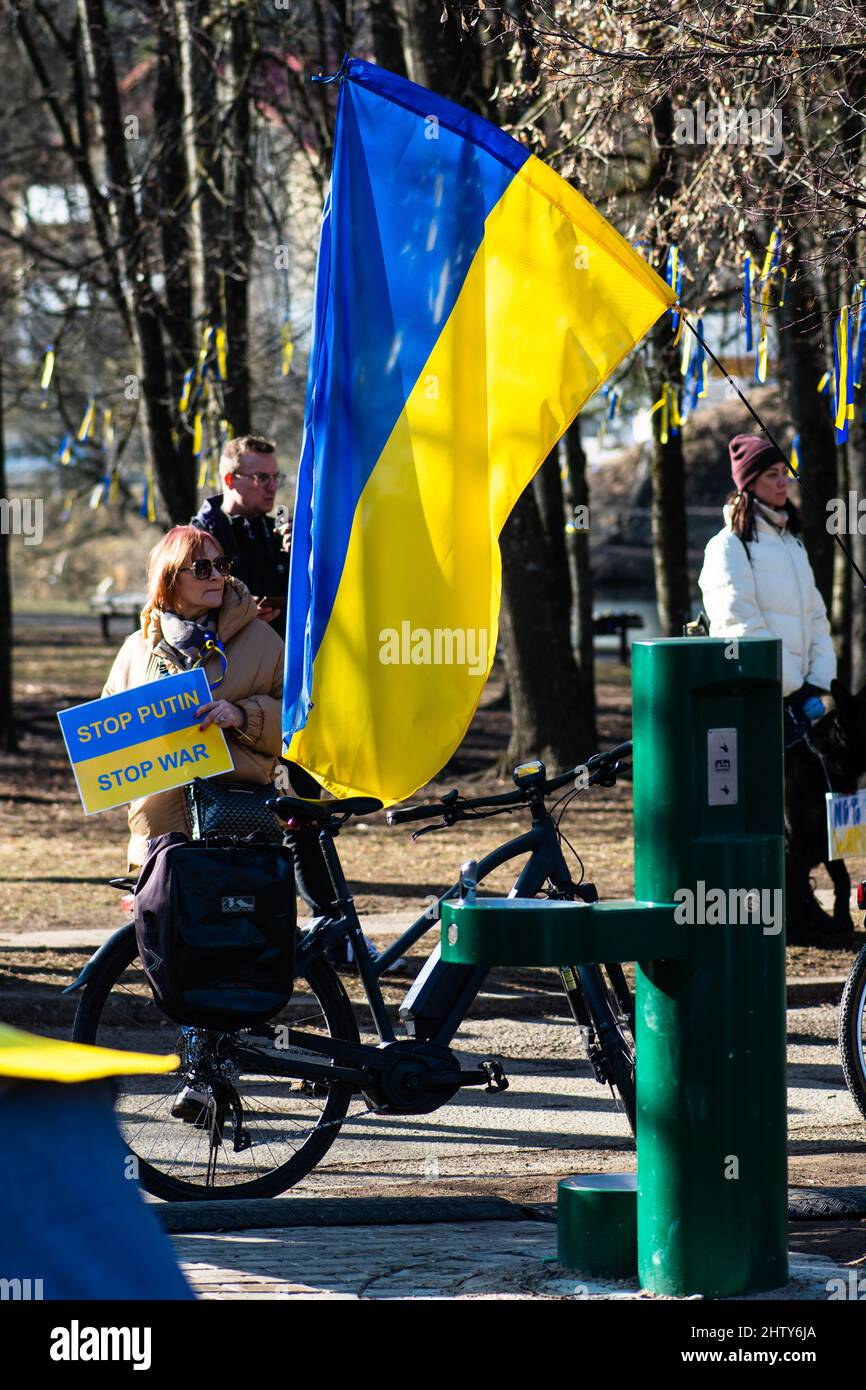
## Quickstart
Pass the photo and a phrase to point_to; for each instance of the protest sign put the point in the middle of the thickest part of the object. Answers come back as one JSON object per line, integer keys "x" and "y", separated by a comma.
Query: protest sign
{"x": 142, "y": 741}
{"x": 846, "y": 824}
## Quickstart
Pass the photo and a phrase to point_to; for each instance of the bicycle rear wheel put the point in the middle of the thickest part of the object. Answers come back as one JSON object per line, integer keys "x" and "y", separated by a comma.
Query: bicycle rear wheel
{"x": 289, "y": 1125}
{"x": 852, "y": 1032}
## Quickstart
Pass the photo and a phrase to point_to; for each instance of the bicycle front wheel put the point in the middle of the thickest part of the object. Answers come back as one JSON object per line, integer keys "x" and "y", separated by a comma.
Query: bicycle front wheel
{"x": 612, "y": 1024}
{"x": 288, "y": 1125}
{"x": 852, "y": 1032}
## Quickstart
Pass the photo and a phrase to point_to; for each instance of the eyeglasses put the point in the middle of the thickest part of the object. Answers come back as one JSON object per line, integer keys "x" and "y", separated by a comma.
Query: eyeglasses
{"x": 202, "y": 568}
{"x": 264, "y": 478}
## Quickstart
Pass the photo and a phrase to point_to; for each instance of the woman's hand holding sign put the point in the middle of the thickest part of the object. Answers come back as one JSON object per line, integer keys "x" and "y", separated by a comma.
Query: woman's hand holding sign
{"x": 223, "y": 713}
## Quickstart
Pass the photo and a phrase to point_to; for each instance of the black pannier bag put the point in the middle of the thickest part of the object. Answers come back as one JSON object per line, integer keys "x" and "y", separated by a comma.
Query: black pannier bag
{"x": 215, "y": 923}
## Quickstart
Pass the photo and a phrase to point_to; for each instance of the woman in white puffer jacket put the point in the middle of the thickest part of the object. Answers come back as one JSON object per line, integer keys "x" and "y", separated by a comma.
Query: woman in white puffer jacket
{"x": 757, "y": 580}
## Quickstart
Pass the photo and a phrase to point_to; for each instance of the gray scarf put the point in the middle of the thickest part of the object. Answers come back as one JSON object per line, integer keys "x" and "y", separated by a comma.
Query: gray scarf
{"x": 182, "y": 639}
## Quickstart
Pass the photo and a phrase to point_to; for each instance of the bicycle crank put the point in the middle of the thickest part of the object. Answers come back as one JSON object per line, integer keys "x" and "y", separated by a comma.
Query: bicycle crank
{"x": 416, "y": 1078}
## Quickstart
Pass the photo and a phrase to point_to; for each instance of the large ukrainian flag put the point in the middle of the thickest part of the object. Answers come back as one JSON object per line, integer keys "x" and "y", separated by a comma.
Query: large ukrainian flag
{"x": 468, "y": 302}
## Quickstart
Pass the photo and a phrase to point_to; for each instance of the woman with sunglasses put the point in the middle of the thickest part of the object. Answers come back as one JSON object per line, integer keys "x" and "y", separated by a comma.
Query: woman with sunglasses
{"x": 196, "y": 614}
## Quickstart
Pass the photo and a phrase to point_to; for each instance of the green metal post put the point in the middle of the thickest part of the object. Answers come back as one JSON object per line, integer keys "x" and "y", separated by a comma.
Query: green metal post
{"x": 711, "y": 1099}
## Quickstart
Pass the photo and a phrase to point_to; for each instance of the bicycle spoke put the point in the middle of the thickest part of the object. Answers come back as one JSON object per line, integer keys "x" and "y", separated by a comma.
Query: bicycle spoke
{"x": 278, "y": 1117}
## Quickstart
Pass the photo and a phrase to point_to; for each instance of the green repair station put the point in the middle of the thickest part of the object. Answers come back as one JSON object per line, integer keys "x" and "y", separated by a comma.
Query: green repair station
{"x": 707, "y": 1213}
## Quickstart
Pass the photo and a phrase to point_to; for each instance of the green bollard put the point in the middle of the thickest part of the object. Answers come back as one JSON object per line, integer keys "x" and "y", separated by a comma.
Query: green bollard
{"x": 596, "y": 1225}
{"x": 711, "y": 1085}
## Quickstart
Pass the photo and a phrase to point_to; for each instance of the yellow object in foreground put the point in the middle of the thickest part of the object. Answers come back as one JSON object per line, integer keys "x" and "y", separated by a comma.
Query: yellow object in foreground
{"x": 27, "y": 1056}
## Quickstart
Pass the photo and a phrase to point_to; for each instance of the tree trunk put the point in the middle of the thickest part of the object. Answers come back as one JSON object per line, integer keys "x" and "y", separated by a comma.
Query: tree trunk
{"x": 581, "y": 570}
{"x": 669, "y": 525}
{"x": 387, "y": 39}
{"x": 8, "y": 737}
{"x": 857, "y": 545}
{"x": 844, "y": 579}
{"x": 852, "y": 458}
{"x": 549, "y": 718}
{"x": 178, "y": 490}
{"x": 198, "y": 78}
{"x": 443, "y": 57}
{"x": 236, "y": 266}
{"x": 548, "y": 494}
{"x": 805, "y": 359}
{"x": 168, "y": 195}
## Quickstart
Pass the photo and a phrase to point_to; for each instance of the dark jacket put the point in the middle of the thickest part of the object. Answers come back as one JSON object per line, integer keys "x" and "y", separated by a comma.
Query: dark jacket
{"x": 259, "y": 559}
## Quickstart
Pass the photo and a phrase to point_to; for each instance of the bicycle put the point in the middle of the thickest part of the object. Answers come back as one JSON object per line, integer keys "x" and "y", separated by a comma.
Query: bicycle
{"x": 852, "y": 1023}
{"x": 276, "y": 1096}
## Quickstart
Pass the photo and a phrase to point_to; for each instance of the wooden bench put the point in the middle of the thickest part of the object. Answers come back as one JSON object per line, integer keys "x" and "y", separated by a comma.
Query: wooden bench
{"x": 612, "y": 624}
{"x": 108, "y": 606}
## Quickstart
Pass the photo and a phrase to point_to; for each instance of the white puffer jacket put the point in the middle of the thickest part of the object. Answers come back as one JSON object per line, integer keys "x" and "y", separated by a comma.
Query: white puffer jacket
{"x": 769, "y": 592}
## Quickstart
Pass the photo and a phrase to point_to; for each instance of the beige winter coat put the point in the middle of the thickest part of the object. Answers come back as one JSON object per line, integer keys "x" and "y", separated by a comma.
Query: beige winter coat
{"x": 253, "y": 680}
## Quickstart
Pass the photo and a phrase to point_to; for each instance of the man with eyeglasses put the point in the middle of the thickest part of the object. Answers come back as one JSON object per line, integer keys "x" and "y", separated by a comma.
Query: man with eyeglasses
{"x": 240, "y": 520}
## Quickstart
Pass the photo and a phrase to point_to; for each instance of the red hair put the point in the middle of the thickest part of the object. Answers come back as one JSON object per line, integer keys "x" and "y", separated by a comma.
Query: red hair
{"x": 178, "y": 547}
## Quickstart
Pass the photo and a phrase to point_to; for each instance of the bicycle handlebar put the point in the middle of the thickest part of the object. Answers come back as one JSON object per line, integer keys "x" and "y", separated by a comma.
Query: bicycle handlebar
{"x": 599, "y": 764}
{"x": 598, "y": 761}
{"x": 402, "y": 816}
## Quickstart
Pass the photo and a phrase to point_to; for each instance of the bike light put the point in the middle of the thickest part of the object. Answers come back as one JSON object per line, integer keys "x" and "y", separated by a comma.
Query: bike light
{"x": 527, "y": 774}
{"x": 861, "y": 896}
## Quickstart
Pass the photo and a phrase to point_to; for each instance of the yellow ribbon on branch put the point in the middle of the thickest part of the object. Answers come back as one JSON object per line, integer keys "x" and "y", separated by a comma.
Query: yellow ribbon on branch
{"x": 287, "y": 347}
{"x": 86, "y": 427}
{"x": 669, "y": 405}
{"x": 221, "y": 353}
{"x": 47, "y": 373}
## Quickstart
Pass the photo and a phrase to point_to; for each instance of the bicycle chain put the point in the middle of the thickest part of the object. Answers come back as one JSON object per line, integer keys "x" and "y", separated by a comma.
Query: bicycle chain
{"x": 330, "y": 1124}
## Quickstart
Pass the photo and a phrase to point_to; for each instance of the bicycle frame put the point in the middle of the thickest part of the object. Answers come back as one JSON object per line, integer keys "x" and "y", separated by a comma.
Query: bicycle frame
{"x": 437, "y": 1003}
{"x": 441, "y": 995}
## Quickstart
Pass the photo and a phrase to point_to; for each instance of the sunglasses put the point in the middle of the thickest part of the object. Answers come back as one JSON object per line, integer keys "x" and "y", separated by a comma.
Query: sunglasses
{"x": 202, "y": 568}
{"x": 264, "y": 478}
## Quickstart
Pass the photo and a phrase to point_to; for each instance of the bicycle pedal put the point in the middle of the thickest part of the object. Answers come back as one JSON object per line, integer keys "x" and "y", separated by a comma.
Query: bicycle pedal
{"x": 496, "y": 1078}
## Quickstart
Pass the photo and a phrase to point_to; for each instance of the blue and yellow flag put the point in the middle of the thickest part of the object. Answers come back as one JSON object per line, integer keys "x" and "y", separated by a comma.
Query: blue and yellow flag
{"x": 468, "y": 302}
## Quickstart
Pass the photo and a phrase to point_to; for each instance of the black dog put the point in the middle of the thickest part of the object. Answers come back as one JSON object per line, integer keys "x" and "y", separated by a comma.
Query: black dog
{"x": 838, "y": 740}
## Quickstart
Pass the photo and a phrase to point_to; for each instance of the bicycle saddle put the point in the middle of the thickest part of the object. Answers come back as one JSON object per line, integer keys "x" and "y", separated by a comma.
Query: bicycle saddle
{"x": 321, "y": 811}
